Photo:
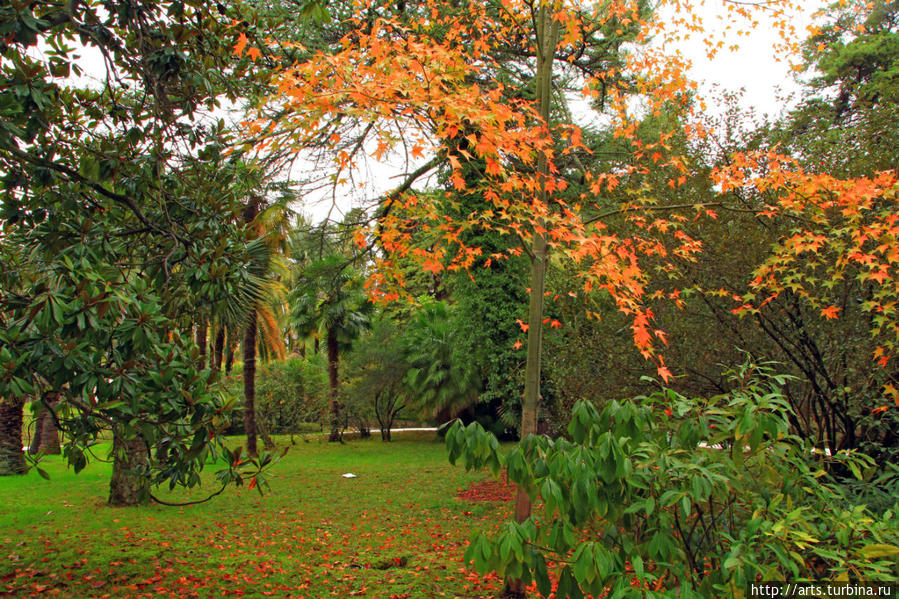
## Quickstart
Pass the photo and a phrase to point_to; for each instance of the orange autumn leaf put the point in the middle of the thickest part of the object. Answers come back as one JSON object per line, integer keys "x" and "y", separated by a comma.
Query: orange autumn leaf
{"x": 240, "y": 45}
{"x": 664, "y": 373}
{"x": 432, "y": 266}
{"x": 830, "y": 312}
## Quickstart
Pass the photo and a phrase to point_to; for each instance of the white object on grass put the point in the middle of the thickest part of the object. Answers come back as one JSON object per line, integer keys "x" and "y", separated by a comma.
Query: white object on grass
{"x": 349, "y": 475}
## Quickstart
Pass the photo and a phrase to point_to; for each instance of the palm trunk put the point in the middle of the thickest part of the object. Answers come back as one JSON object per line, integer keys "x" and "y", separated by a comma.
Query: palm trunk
{"x": 128, "y": 487}
{"x": 547, "y": 38}
{"x": 218, "y": 349}
{"x": 12, "y": 458}
{"x": 229, "y": 359}
{"x": 332, "y": 380}
{"x": 249, "y": 384}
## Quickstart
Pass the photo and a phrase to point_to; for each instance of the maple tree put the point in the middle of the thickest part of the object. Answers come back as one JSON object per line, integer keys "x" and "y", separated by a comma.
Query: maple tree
{"x": 424, "y": 83}
{"x": 441, "y": 85}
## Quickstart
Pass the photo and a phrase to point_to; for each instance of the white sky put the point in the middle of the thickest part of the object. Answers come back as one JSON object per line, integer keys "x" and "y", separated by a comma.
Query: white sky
{"x": 754, "y": 66}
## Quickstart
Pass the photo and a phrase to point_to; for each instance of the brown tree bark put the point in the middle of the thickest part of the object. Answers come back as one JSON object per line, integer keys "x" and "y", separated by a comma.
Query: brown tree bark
{"x": 219, "y": 349}
{"x": 229, "y": 359}
{"x": 547, "y": 39}
{"x": 127, "y": 487}
{"x": 46, "y": 434}
{"x": 249, "y": 384}
{"x": 333, "y": 356}
{"x": 12, "y": 457}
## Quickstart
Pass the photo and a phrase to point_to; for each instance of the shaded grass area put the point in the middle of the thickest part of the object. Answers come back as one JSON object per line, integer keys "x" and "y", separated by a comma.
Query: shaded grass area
{"x": 397, "y": 530}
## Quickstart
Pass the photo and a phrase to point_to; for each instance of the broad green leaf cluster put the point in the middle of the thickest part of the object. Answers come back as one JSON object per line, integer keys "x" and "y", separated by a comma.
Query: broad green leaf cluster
{"x": 668, "y": 496}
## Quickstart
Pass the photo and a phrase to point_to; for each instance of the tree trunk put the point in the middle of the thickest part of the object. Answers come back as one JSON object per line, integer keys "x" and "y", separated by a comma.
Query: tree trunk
{"x": 267, "y": 441}
{"x": 35, "y": 441}
{"x": 547, "y": 38}
{"x": 332, "y": 380}
{"x": 201, "y": 342}
{"x": 229, "y": 359}
{"x": 46, "y": 435}
{"x": 218, "y": 349}
{"x": 12, "y": 458}
{"x": 128, "y": 487}
{"x": 249, "y": 384}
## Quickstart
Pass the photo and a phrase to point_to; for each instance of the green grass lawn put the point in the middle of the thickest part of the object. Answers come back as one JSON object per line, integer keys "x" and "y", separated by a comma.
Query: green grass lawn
{"x": 395, "y": 531}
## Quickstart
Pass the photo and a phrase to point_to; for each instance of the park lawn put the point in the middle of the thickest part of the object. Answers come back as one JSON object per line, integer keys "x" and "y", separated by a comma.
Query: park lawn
{"x": 397, "y": 530}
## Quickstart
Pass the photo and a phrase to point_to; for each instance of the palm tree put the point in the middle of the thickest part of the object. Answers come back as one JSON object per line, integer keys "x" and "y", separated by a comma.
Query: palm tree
{"x": 443, "y": 379}
{"x": 328, "y": 300}
{"x": 261, "y": 304}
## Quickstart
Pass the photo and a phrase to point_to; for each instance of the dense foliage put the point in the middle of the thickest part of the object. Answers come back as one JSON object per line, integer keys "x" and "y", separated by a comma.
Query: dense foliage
{"x": 669, "y": 496}
{"x": 546, "y": 261}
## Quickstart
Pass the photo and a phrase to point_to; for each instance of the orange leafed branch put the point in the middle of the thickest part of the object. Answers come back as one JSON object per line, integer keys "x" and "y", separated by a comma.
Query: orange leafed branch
{"x": 431, "y": 83}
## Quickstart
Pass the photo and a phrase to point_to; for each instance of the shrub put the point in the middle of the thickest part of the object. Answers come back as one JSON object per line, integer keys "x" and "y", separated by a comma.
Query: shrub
{"x": 666, "y": 496}
{"x": 289, "y": 394}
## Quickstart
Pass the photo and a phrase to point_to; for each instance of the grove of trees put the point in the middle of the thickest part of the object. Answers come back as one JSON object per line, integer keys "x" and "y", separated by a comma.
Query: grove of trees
{"x": 688, "y": 322}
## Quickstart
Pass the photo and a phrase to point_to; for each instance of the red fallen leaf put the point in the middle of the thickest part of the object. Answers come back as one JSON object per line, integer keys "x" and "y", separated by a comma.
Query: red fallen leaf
{"x": 488, "y": 490}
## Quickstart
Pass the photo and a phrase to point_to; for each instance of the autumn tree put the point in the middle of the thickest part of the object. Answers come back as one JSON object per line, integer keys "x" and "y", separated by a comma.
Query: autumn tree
{"x": 825, "y": 192}
{"x": 424, "y": 83}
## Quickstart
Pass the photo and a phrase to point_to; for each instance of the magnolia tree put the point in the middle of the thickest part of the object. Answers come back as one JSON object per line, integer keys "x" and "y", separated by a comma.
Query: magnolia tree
{"x": 120, "y": 227}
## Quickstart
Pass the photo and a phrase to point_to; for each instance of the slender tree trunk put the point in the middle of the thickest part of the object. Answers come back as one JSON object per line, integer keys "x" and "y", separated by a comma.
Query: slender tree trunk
{"x": 229, "y": 358}
{"x": 267, "y": 441}
{"x": 249, "y": 384}
{"x": 36, "y": 439}
{"x": 202, "y": 330}
{"x": 315, "y": 345}
{"x": 218, "y": 349}
{"x": 332, "y": 380}
{"x": 128, "y": 487}
{"x": 547, "y": 38}
{"x": 46, "y": 434}
{"x": 12, "y": 458}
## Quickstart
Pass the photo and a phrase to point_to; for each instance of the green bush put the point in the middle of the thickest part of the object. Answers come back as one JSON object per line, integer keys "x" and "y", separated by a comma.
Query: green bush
{"x": 289, "y": 394}
{"x": 666, "y": 496}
